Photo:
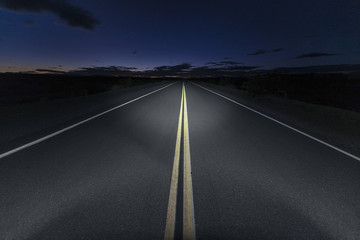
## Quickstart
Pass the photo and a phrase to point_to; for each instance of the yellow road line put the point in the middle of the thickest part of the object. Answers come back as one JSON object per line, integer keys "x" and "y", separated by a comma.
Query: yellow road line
{"x": 171, "y": 212}
{"x": 188, "y": 217}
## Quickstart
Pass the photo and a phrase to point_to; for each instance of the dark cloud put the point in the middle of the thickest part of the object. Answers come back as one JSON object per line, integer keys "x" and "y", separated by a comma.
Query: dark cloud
{"x": 187, "y": 70}
{"x": 40, "y": 70}
{"x": 214, "y": 70}
{"x": 263, "y": 51}
{"x": 240, "y": 68}
{"x": 230, "y": 63}
{"x": 134, "y": 52}
{"x": 180, "y": 70}
{"x": 230, "y": 71}
{"x": 315, "y": 54}
{"x": 173, "y": 70}
{"x": 223, "y": 63}
{"x": 228, "y": 58}
{"x": 28, "y": 72}
{"x": 74, "y": 16}
{"x": 105, "y": 71}
{"x": 258, "y": 52}
{"x": 57, "y": 67}
{"x": 277, "y": 50}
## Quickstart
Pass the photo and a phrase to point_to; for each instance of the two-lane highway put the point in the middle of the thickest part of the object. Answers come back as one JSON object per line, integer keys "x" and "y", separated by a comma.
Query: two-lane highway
{"x": 234, "y": 173}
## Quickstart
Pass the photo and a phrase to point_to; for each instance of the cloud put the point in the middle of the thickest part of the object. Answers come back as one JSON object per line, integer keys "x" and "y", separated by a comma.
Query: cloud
{"x": 188, "y": 70}
{"x": 215, "y": 70}
{"x": 258, "y": 52}
{"x": 180, "y": 70}
{"x": 263, "y": 51}
{"x": 223, "y": 63}
{"x": 104, "y": 71}
{"x": 74, "y": 16}
{"x": 277, "y": 50}
{"x": 49, "y": 71}
{"x": 240, "y": 68}
{"x": 172, "y": 70}
{"x": 230, "y": 63}
{"x": 56, "y": 67}
{"x": 230, "y": 71}
{"x": 315, "y": 54}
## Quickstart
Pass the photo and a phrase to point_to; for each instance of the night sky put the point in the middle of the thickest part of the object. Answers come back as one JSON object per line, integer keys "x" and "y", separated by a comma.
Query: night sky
{"x": 68, "y": 35}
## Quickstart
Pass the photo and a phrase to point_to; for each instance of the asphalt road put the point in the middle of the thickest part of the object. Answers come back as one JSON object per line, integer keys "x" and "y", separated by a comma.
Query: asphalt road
{"x": 110, "y": 177}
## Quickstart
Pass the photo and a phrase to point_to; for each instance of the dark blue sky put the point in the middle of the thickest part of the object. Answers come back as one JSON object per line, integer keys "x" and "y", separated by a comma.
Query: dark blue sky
{"x": 71, "y": 34}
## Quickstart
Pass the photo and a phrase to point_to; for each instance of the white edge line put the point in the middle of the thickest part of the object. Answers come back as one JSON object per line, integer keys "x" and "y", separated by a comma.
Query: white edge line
{"x": 283, "y": 124}
{"x": 191, "y": 185}
{"x": 75, "y": 125}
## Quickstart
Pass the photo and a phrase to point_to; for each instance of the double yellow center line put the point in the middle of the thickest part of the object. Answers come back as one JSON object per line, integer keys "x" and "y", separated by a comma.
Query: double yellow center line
{"x": 188, "y": 207}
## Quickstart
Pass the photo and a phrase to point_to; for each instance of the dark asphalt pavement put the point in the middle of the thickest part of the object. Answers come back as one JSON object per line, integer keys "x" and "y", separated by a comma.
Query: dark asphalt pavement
{"x": 109, "y": 178}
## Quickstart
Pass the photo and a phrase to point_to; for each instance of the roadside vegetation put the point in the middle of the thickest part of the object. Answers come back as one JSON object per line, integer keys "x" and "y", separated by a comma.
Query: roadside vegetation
{"x": 337, "y": 90}
{"x": 25, "y": 88}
